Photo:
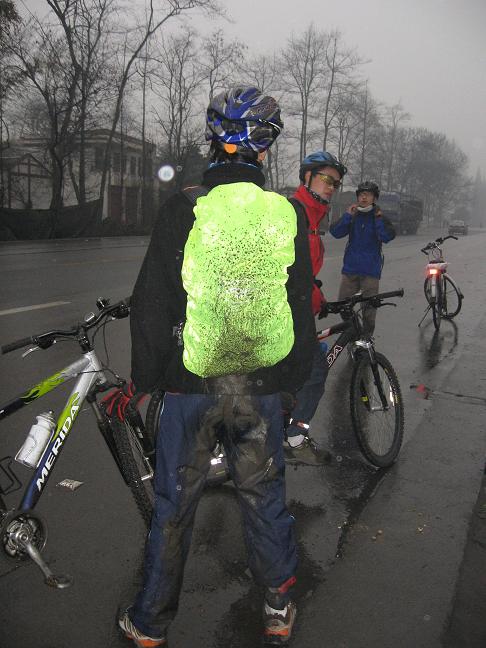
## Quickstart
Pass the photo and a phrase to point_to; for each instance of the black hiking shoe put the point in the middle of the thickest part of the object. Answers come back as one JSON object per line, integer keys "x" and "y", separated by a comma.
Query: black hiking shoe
{"x": 307, "y": 453}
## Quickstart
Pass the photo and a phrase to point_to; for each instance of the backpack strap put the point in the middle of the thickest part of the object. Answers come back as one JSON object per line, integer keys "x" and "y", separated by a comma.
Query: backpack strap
{"x": 299, "y": 206}
{"x": 195, "y": 192}
{"x": 295, "y": 202}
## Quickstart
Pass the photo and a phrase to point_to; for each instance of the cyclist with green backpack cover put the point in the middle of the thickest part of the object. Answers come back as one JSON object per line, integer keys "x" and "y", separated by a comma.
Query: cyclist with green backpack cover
{"x": 221, "y": 319}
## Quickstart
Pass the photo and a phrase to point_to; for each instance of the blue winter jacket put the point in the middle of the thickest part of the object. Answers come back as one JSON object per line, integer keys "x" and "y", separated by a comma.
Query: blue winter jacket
{"x": 366, "y": 234}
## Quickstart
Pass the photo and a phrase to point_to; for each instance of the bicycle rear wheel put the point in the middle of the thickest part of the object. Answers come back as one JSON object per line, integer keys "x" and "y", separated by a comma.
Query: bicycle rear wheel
{"x": 436, "y": 301}
{"x": 136, "y": 469}
{"x": 451, "y": 298}
{"x": 379, "y": 430}
{"x": 427, "y": 290}
{"x": 437, "y": 305}
{"x": 152, "y": 416}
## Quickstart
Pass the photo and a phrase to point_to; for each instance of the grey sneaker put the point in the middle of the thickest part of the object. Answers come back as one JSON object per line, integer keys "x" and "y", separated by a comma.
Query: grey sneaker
{"x": 278, "y": 624}
{"x": 308, "y": 453}
{"x": 133, "y": 633}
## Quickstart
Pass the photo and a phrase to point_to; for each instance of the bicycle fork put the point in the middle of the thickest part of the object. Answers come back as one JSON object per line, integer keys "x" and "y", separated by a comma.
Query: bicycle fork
{"x": 370, "y": 349}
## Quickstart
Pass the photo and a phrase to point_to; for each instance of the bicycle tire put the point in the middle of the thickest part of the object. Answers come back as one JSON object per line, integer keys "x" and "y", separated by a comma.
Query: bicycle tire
{"x": 153, "y": 414}
{"x": 427, "y": 289}
{"x": 434, "y": 301}
{"x": 451, "y": 306}
{"x": 437, "y": 305}
{"x": 133, "y": 467}
{"x": 218, "y": 468}
{"x": 380, "y": 449}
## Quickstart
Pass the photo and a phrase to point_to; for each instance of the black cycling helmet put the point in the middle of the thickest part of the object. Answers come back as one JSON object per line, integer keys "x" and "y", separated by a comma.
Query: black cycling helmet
{"x": 316, "y": 161}
{"x": 367, "y": 185}
{"x": 243, "y": 118}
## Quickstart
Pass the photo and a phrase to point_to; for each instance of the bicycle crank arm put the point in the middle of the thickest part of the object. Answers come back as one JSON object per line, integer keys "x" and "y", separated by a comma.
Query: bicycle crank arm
{"x": 24, "y": 534}
{"x": 53, "y": 580}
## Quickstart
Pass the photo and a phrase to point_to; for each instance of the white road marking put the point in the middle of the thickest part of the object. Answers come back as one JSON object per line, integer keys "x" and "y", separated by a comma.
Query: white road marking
{"x": 22, "y": 309}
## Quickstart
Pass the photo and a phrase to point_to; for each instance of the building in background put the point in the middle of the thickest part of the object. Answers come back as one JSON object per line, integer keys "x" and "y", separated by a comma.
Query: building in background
{"x": 130, "y": 195}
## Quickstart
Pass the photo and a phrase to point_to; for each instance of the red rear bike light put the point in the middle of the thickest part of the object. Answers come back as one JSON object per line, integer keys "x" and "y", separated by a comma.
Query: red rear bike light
{"x": 433, "y": 271}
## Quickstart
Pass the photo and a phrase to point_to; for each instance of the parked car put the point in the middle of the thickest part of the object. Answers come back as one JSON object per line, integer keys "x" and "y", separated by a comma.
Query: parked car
{"x": 457, "y": 227}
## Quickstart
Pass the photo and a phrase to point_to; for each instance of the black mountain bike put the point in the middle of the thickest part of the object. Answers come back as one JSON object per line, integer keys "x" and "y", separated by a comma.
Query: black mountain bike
{"x": 23, "y": 532}
{"x": 375, "y": 398}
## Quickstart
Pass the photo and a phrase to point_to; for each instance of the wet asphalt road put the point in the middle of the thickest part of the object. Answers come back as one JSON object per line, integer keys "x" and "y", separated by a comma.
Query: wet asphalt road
{"x": 95, "y": 534}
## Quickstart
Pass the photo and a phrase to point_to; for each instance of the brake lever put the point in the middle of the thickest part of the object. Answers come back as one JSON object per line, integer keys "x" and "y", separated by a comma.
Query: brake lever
{"x": 388, "y": 304}
{"x": 31, "y": 350}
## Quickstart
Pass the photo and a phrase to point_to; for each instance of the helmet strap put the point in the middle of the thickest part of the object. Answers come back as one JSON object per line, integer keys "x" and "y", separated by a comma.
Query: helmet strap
{"x": 316, "y": 196}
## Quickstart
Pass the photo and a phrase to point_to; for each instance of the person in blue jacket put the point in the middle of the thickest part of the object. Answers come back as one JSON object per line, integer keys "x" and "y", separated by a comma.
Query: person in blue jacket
{"x": 367, "y": 229}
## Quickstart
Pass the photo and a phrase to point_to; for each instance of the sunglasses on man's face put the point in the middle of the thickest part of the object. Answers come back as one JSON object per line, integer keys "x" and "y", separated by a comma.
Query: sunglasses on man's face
{"x": 329, "y": 180}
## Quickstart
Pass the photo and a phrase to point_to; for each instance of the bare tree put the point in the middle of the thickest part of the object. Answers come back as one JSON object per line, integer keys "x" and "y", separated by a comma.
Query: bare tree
{"x": 394, "y": 139}
{"x": 176, "y": 81}
{"x": 154, "y": 21}
{"x": 339, "y": 80}
{"x": 347, "y": 122}
{"x": 302, "y": 72}
{"x": 44, "y": 62}
{"x": 85, "y": 27}
{"x": 9, "y": 19}
{"x": 262, "y": 71}
{"x": 219, "y": 59}
{"x": 435, "y": 170}
{"x": 367, "y": 155}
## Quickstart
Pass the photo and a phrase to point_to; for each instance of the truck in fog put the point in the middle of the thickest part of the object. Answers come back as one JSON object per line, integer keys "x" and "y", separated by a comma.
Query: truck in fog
{"x": 403, "y": 210}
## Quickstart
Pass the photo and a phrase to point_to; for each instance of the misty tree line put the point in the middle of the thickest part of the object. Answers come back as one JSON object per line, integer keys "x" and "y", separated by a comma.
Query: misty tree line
{"x": 136, "y": 70}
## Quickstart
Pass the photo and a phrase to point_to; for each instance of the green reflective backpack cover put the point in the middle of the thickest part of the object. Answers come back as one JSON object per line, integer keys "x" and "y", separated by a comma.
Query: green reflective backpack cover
{"x": 234, "y": 272}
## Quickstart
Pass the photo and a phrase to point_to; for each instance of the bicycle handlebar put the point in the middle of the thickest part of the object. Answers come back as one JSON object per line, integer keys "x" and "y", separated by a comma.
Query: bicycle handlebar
{"x": 18, "y": 344}
{"x": 437, "y": 242}
{"x": 346, "y": 304}
{"x": 44, "y": 340}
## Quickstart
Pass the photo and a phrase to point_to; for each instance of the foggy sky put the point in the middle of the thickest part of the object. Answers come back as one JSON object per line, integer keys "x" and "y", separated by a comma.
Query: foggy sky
{"x": 428, "y": 54}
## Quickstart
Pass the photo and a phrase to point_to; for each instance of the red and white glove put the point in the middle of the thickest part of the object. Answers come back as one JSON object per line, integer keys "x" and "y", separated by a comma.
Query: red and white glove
{"x": 116, "y": 402}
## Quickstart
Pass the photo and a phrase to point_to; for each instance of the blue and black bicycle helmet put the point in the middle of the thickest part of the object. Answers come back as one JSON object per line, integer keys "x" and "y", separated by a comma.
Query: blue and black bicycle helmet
{"x": 367, "y": 185}
{"x": 244, "y": 117}
{"x": 316, "y": 161}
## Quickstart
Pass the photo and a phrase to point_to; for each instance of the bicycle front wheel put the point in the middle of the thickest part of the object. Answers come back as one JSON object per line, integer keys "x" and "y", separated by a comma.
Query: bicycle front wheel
{"x": 451, "y": 298}
{"x": 135, "y": 467}
{"x": 378, "y": 428}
